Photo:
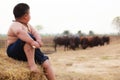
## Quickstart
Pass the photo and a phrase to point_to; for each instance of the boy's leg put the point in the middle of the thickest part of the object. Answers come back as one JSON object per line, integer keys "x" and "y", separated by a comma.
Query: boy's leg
{"x": 48, "y": 70}
{"x": 29, "y": 52}
{"x": 43, "y": 60}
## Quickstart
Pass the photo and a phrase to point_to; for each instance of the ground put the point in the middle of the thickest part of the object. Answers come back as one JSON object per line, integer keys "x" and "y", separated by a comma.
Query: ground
{"x": 97, "y": 63}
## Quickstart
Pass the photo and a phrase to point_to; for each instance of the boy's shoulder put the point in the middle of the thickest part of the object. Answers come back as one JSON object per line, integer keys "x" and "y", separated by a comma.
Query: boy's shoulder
{"x": 16, "y": 26}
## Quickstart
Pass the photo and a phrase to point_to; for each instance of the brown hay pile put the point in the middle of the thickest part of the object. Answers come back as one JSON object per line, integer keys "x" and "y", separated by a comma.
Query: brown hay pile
{"x": 11, "y": 69}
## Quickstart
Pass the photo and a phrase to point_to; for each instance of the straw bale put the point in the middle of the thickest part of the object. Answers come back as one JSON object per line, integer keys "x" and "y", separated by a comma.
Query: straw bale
{"x": 11, "y": 69}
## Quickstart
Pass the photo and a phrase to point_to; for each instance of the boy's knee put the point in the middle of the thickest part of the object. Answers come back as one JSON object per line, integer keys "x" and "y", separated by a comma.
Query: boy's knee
{"x": 46, "y": 64}
{"x": 28, "y": 47}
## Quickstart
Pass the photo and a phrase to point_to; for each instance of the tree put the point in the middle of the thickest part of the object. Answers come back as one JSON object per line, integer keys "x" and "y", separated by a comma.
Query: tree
{"x": 80, "y": 33}
{"x": 91, "y": 33}
{"x": 38, "y": 27}
{"x": 66, "y": 32}
{"x": 116, "y": 22}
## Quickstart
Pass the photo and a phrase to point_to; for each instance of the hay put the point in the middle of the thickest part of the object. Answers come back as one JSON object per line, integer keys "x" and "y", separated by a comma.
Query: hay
{"x": 11, "y": 69}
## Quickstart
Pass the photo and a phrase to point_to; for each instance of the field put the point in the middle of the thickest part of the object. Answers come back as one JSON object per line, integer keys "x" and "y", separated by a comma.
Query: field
{"x": 97, "y": 63}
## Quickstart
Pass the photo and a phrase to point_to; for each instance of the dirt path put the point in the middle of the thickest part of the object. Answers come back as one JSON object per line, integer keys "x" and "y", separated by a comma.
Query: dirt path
{"x": 97, "y": 63}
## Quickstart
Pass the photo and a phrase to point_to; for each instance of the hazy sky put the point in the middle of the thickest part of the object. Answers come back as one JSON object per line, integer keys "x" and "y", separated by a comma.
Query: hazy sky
{"x": 55, "y": 16}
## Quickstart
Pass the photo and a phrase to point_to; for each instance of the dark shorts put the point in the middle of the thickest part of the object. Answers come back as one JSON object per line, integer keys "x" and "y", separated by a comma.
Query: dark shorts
{"x": 16, "y": 51}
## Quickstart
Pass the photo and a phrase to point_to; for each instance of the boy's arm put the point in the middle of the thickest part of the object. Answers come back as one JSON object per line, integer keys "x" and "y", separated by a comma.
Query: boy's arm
{"x": 37, "y": 36}
{"x": 23, "y": 35}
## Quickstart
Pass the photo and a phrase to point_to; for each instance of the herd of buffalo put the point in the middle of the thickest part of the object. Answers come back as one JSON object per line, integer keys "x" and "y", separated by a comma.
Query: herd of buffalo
{"x": 73, "y": 42}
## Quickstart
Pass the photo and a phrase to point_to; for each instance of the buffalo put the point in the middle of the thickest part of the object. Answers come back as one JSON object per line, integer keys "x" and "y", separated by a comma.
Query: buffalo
{"x": 95, "y": 41}
{"x": 91, "y": 41}
{"x": 106, "y": 39}
{"x": 62, "y": 40}
{"x": 73, "y": 42}
{"x": 69, "y": 42}
{"x": 84, "y": 42}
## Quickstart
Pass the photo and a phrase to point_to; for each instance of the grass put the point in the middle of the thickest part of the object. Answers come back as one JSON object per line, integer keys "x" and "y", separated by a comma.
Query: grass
{"x": 105, "y": 57}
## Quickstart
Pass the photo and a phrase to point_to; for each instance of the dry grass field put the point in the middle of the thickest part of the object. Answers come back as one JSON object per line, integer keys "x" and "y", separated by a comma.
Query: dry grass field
{"x": 97, "y": 63}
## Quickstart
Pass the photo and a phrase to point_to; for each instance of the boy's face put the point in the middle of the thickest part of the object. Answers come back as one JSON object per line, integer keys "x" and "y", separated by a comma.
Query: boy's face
{"x": 27, "y": 16}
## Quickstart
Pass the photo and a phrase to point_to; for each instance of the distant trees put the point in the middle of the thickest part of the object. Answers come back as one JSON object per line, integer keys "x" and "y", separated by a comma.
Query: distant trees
{"x": 91, "y": 33}
{"x": 79, "y": 33}
{"x": 38, "y": 27}
{"x": 66, "y": 32}
{"x": 116, "y": 22}
{"x": 3, "y": 36}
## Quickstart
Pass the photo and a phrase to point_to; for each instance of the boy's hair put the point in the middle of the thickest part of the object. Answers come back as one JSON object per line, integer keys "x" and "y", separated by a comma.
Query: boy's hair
{"x": 20, "y": 9}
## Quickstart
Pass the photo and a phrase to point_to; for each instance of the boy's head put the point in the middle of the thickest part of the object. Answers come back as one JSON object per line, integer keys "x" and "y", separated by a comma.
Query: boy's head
{"x": 20, "y": 10}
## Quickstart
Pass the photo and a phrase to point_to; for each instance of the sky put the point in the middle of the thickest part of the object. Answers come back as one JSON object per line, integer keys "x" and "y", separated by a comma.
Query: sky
{"x": 56, "y": 16}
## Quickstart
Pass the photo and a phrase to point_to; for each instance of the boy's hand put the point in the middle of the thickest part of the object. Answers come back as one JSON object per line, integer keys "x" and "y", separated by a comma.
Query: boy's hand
{"x": 35, "y": 44}
{"x": 40, "y": 42}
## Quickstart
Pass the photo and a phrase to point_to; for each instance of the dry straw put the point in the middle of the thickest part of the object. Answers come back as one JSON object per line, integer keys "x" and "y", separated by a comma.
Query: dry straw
{"x": 11, "y": 69}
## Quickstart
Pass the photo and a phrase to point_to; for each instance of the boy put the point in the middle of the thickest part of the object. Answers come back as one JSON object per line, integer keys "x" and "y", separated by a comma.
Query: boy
{"x": 24, "y": 42}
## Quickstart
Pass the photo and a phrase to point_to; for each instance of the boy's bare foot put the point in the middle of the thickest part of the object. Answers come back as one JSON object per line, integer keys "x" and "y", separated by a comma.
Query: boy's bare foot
{"x": 34, "y": 69}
